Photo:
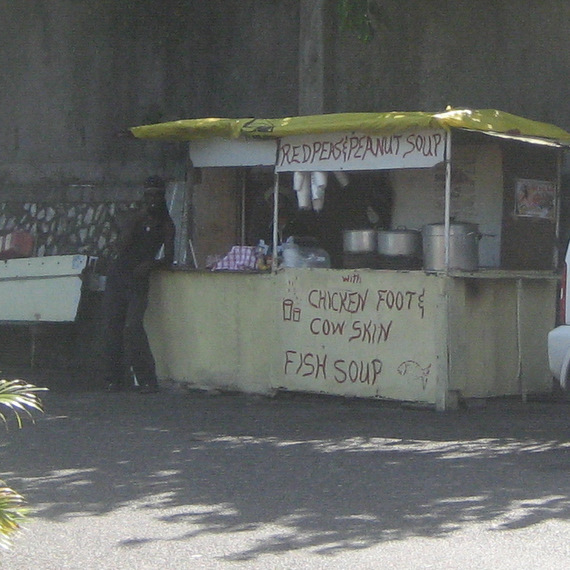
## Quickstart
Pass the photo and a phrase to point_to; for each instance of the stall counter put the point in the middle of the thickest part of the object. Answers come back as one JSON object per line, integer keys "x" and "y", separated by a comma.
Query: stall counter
{"x": 433, "y": 339}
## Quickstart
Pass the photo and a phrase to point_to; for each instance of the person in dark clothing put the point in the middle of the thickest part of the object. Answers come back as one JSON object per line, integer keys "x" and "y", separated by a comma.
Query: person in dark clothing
{"x": 290, "y": 221}
{"x": 126, "y": 292}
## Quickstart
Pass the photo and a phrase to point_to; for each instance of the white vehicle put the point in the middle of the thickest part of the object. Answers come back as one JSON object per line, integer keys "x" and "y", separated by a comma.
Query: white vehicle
{"x": 559, "y": 338}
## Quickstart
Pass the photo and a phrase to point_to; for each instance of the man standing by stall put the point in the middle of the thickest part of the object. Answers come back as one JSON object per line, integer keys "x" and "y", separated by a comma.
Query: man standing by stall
{"x": 126, "y": 294}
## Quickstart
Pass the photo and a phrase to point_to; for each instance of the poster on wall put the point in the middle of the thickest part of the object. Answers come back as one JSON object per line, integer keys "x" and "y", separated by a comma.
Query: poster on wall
{"x": 535, "y": 199}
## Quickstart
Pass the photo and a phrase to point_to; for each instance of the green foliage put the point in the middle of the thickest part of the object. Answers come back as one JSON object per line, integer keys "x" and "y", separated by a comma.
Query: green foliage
{"x": 12, "y": 514}
{"x": 21, "y": 399}
{"x": 354, "y": 16}
{"x": 363, "y": 17}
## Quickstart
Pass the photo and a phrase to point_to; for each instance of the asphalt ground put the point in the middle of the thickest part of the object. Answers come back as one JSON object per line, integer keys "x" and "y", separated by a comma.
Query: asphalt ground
{"x": 188, "y": 479}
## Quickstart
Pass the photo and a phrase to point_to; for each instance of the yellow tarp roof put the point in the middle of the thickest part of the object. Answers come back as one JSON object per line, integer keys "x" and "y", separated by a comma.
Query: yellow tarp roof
{"x": 489, "y": 121}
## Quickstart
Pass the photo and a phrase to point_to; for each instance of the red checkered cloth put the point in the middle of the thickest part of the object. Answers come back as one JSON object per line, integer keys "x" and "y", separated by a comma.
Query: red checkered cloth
{"x": 240, "y": 258}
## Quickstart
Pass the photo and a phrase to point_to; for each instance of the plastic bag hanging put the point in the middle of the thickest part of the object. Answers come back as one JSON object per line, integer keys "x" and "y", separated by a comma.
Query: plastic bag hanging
{"x": 342, "y": 178}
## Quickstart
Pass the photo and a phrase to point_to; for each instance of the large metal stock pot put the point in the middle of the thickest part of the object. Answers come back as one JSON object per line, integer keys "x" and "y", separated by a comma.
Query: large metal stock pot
{"x": 463, "y": 246}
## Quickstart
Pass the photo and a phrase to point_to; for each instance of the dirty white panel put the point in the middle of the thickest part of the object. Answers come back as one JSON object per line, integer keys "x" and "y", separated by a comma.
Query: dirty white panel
{"x": 222, "y": 152}
{"x": 40, "y": 289}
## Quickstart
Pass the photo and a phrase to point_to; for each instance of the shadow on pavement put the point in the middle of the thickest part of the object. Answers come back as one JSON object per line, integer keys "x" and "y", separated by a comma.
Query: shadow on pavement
{"x": 333, "y": 474}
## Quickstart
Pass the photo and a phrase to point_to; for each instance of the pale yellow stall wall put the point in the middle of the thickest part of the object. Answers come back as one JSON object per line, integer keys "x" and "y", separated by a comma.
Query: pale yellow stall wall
{"x": 258, "y": 333}
{"x": 362, "y": 333}
{"x": 213, "y": 330}
{"x": 498, "y": 336}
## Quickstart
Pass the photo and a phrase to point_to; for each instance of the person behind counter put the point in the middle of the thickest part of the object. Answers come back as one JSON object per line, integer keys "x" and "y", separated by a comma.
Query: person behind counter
{"x": 126, "y": 292}
{"x": 289, "y": 221}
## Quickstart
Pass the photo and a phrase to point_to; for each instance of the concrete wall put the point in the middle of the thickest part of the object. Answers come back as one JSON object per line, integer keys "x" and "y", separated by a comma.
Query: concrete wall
{"x": 428, "y": 54}
{"x": 77, "y": 73}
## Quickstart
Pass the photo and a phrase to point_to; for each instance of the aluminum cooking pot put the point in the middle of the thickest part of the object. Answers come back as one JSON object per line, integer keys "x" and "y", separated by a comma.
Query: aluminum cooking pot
{"x": 400, "y": 242}
{"x": 463, "y": 246}
{"x": 359, "y": 241}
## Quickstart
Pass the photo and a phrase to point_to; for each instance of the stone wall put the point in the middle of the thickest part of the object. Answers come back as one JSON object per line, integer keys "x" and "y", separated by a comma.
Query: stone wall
{"x": 61, "y": 228}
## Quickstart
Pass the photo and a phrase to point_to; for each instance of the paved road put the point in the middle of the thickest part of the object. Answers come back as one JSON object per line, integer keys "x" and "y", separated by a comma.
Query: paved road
{"x": 186, "y": 479}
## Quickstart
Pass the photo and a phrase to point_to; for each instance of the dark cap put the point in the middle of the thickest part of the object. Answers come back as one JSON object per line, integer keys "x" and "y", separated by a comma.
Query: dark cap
{"x": 155, "y": 183}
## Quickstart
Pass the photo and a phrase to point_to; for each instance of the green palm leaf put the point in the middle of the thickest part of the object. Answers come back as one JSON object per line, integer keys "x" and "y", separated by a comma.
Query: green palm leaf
{"x": 21, "y": 399}
{"x": 12, "y": 514}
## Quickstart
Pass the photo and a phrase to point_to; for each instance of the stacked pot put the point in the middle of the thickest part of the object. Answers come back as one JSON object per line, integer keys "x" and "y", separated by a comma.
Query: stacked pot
{"x": 400, "y": 242}
{"x": 359, "y": 248}
{"x": 391, "y": 249}
{"x": 403, "y": 248}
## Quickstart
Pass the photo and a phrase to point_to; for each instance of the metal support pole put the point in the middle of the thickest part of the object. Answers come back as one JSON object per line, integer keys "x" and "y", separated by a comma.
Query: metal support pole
{"x": 33, "y": 344}
{"x": 557, "y": 207}
{"x": 242, "y": 206}
{"x": 447, "y": 224}
{"x": 275, "y": 220}
{"x": 520, "y": 375}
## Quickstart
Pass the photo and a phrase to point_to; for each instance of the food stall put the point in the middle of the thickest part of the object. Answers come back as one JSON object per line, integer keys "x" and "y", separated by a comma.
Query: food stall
{"x": 463, "y": 315}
